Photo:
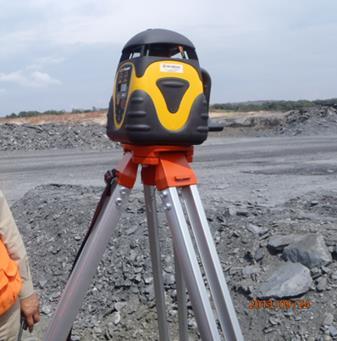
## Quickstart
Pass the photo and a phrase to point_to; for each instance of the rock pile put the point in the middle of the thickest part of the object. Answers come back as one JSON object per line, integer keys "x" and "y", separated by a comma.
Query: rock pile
{"x": 313, "y": 121}
{"x": 310, "y": 121}
{"x": 321, "y": 120}
{"x": 287, "y": 252}
{"x": 53, "y": 136}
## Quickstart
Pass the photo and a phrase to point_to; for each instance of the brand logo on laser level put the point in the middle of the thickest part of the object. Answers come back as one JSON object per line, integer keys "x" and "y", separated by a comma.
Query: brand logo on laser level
{"x": 175, "y": 68}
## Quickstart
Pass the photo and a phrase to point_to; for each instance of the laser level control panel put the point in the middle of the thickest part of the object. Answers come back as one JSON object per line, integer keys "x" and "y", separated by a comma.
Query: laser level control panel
{"x": 123, "y": 82}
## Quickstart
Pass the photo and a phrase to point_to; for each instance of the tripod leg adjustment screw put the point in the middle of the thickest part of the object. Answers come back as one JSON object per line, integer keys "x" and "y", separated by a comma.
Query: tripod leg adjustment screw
{"x": 163, "y": 194}
{"x": 119, "y": 202}
{"x": 167, "y": 206}
{"x": 123, "y": 191}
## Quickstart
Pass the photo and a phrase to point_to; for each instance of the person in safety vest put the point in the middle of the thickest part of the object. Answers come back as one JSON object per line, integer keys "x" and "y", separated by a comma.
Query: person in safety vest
{"x": 17, "y": 296}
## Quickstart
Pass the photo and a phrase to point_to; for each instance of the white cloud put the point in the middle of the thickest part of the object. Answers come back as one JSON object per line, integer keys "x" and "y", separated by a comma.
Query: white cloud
{"x": 50, "y": 60}
{"x": 2, "y": 91}
{"x": 43, "y": 79}
{"x": 14, "y": 43}
{"x": 88, "y": 22}
{"x": 32, "y": 79}
{"x": 42, "y": 62}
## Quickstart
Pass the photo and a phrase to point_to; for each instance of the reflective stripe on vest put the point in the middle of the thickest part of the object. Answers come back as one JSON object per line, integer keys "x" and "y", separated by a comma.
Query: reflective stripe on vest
{"x": 10, "y": 281}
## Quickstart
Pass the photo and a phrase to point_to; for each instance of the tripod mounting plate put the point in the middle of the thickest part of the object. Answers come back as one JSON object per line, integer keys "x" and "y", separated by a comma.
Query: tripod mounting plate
{"x": 150, "y": 155}
{"x": 162, "y": 166}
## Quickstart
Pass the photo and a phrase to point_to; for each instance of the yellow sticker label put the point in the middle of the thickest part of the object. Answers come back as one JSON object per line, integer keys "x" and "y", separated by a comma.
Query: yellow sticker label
{"x": 170, "y": 67}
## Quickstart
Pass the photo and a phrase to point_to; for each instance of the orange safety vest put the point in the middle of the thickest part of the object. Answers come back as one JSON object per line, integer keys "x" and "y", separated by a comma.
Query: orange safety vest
{"x": 10, "y": 280}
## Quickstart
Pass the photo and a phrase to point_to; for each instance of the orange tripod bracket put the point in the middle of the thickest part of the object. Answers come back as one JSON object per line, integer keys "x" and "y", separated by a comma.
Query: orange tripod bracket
{"x": 162, "y": 166}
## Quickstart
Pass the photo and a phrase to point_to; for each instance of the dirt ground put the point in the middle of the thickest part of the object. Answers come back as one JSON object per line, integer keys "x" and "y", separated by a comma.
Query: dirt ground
{"x": 99, "y": 117}
{"x": 253, "y": 189}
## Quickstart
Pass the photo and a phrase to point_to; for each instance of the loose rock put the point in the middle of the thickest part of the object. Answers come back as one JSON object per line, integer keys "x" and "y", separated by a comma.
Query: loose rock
{"x": 289, "y": 280}
{"x": 333, "y": 331}
{"x": 328, "y": 319}
{"x": 322, "y": 284}
{"x": 311, "y": 251}
{"x": 277, "y": 243}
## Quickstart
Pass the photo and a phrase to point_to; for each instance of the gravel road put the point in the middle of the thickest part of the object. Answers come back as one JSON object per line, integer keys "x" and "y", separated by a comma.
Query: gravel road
{"x": 267, "y": 170}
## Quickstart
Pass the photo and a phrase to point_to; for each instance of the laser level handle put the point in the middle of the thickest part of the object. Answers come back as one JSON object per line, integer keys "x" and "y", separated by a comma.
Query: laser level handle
{"x": 207, "y": 84}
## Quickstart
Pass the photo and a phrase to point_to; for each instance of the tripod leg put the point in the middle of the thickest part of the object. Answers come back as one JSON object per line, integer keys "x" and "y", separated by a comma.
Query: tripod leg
{"x": 152, "y": 220}
{"x": 85, "y": 268}
{"x": 182, "y": 302}
{"x": 189, "y": 265}
{"x": 210, "y": 259}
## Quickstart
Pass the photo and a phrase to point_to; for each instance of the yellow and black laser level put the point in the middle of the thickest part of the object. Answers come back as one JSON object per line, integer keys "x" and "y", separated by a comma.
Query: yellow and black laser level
{"x": 160, "y": 95}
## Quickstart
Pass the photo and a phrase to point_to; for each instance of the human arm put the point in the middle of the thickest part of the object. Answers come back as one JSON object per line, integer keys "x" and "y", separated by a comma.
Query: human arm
{"x": 11, "y": 238}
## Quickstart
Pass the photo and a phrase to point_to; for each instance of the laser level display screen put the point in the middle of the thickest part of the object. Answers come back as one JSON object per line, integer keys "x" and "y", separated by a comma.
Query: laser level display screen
{"x": 122, "y": 89}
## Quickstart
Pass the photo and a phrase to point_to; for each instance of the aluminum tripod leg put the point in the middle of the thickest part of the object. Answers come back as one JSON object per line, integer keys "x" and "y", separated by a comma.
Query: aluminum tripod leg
{"x": 152, "y": 220}
{"x": 188, "y": 262}
{"x": 210, "y": 259}
{"x": 181, "y": 299}
{"x": 86, "y": 266}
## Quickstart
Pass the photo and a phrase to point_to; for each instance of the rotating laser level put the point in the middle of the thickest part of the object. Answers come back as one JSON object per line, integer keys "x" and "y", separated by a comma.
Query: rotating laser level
{"x": 159, "y": 110}
{"x": 160, "y": 95}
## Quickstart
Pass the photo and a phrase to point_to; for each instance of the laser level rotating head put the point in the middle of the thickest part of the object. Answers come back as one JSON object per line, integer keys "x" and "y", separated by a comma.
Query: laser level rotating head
{"x": 160, "y": 95}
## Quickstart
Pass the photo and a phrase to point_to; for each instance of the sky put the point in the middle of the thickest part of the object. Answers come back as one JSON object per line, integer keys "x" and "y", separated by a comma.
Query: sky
{"x": 63, "y": 54}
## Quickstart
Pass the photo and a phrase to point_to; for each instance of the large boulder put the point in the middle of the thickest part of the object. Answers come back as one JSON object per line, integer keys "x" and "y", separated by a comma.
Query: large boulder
{"x": 310, "y": 251}
{"x": 289, "y": 280}
{"x": 278, "y": 242}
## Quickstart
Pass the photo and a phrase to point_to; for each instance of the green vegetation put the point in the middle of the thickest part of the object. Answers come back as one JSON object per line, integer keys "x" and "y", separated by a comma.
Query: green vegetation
{"x": 51, "y": 112}
{"x": 35, "y": 113}
{"x": 272, "y": 105}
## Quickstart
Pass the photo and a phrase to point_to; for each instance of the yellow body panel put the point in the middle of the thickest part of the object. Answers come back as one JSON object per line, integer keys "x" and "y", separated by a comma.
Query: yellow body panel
{"x": 147, "y": 83}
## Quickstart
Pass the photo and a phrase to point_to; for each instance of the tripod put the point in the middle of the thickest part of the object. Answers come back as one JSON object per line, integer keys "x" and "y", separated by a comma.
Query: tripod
{"x": 167, "y": 169}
